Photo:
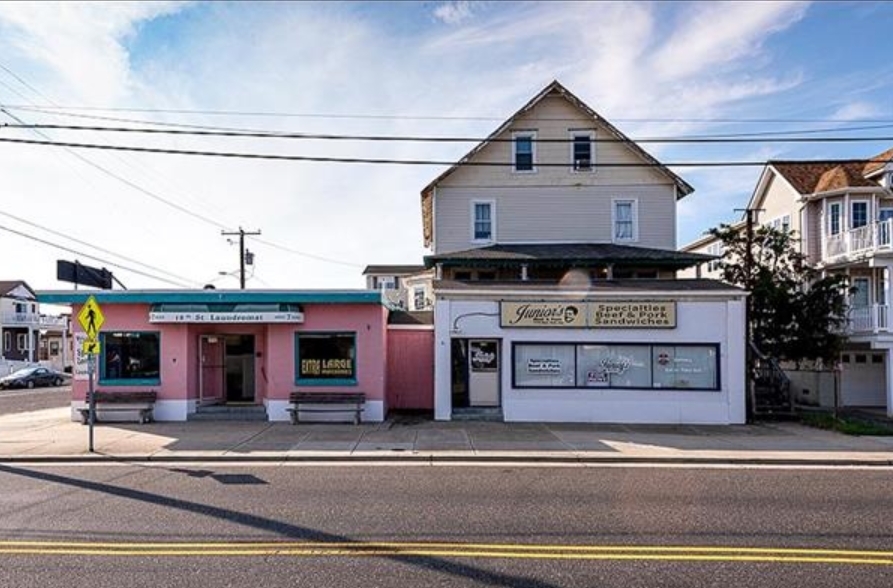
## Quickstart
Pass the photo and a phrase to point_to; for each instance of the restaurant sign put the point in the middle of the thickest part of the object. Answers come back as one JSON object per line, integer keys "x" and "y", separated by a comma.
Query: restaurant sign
{"x": 619, "y": 314}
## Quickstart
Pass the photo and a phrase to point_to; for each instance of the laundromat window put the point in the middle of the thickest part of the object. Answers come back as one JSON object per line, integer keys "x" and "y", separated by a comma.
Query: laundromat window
{"x": 326, "y": 359}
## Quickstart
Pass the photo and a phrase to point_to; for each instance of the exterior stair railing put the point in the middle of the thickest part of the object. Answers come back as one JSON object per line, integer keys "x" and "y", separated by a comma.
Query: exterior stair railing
{"x": 771, "y": 387}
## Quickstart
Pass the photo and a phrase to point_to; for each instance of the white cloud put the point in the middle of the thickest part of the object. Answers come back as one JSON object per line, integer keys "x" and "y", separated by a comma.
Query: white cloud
{"x": 622, "y": 58}
{"x": 856, "y": 110}
{"x": 454, "y": 12}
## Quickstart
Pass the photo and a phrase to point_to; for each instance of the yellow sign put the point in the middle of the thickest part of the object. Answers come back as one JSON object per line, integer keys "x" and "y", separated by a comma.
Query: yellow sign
{"x": 91, "y": 318}
{"x": 543, "y": 314}
{"x": 654, "y": 315}
{"x": 91, "y": 346}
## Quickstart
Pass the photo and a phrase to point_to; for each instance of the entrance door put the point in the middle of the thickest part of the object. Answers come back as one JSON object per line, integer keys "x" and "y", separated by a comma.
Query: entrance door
{"x": 483, "y": 372}
{"x": 211, "y": 372}
{"x": 240, "y": 368}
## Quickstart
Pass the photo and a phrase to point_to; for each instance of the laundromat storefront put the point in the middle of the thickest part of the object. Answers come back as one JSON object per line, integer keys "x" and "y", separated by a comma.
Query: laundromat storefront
{"x": 206, "y": 348}
{"x": 647, "y": 353}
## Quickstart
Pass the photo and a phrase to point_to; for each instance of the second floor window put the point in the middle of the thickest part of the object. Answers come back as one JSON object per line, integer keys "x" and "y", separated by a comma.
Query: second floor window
{"x": 418, "y": 295}
{"x": 834, "y": 218}
{"x": 483, "y": 221}
{"x": 523, "y": 155}
{"x": 624, "y": 220}
{"x": 859, "y": 217}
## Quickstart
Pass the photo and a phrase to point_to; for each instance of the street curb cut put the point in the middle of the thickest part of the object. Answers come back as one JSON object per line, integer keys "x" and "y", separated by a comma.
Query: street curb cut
{"x": 446, "y": 460}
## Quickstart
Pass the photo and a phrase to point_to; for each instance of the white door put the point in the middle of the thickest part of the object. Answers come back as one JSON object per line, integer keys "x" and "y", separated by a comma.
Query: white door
{"x": 483, "y": 372}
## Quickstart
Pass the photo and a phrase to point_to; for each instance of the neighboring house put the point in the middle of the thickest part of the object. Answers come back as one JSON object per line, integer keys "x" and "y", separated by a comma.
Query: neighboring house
{"x": 842, "y": 214}
{"x": 405, "y": 286}
{"x": 554, "y": 248}
{"x": 26, "y": 335}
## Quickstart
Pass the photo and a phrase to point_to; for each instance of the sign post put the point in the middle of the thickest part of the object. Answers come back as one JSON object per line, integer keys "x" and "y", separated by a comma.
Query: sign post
{"x": 91, "y": 318}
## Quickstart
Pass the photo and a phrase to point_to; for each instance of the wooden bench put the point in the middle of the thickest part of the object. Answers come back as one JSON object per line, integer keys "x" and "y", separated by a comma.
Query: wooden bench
{"x": 346, "y": 402}
{"x": 143, "y": 403}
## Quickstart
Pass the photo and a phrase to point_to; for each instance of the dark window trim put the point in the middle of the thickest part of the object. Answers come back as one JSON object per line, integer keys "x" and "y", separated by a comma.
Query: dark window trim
{"x": 652, "y": 345}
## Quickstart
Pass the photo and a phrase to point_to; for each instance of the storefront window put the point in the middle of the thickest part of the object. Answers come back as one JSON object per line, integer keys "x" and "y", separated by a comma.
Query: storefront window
{"x": 565, "y": 365}
{"x": 130, "y": 358}
{"x": 685, "y": 367}
{"x": 326, "y": 359}
{"x": 544, "y": 366}
{"x": 614, "y": 366}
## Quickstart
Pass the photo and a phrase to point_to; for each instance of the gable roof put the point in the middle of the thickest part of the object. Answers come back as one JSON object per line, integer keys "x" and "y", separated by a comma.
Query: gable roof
{"x": 555, "y": 87}
{"x": 878, "y": 162}
{"x": 811, "y": 177}
{"x": 7, "y": 287}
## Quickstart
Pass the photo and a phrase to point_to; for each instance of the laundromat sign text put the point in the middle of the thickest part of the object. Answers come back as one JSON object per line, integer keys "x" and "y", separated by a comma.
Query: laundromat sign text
{"x": 624, "y": 315}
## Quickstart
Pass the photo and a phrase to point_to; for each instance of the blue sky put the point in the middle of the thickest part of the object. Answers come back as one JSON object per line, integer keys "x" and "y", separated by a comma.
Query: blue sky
{"x": 650, "y": 68}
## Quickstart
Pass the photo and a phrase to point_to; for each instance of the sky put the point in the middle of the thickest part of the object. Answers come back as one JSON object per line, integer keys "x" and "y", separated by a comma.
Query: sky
{"x": 385, "y": 68}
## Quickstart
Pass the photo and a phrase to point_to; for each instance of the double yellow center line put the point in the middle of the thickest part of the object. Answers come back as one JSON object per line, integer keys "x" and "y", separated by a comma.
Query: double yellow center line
{"x": 467, "y": 550}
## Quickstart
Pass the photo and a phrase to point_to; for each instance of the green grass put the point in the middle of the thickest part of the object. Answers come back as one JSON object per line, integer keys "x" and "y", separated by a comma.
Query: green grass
{"x": 846, "y": 425}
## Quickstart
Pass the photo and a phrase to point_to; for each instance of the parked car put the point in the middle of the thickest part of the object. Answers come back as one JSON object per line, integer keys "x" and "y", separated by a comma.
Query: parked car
{"x": 33, "y": 377}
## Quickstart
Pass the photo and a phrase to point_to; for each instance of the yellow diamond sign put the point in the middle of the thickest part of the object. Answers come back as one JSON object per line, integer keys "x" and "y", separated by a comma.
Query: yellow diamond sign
{"x": 91, "y": 318}
{"x": 91, "y": 346}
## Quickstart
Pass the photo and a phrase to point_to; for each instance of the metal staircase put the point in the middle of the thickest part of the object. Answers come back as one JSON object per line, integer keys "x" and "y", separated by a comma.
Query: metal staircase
{"x": 770, "y": 387}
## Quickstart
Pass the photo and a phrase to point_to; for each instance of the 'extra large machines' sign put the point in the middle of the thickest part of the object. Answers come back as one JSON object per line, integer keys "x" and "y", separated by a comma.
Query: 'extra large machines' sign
{"x": 637, "y": 314}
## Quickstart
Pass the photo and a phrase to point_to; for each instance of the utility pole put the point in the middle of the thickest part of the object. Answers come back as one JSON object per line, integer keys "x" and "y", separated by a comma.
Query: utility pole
{"x": 241, "y": 233}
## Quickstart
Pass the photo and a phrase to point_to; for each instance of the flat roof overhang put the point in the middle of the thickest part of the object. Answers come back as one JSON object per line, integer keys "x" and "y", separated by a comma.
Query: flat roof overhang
{"x": 212, "y": 296}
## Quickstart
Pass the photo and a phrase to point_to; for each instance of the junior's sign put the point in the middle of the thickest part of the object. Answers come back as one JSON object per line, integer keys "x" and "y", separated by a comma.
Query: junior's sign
{"x": 653, "y": 315}
{"x": 226, "y": 317}
{"x": 543, "y": 314}
{"x": 628, "y": 315}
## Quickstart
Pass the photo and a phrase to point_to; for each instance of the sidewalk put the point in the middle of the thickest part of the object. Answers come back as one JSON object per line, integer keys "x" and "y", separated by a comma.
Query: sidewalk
{"x": 49, "y": 436}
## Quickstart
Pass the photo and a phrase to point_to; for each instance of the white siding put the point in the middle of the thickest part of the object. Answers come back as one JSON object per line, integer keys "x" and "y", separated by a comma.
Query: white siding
{"x": 555, "y": 214}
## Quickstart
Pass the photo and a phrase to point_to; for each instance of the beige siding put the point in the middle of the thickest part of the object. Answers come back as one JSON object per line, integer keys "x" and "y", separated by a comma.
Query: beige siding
{"x": 557, "y": 214}
{"x": 554, "y": 118}
{"x": 780, "y": 199}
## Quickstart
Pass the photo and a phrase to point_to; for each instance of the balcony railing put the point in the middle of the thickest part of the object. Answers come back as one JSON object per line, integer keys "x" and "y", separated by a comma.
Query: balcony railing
{"x": 869, "y": 319}
{"x": 874, "y": 237}
{"x": 33, "y": 320}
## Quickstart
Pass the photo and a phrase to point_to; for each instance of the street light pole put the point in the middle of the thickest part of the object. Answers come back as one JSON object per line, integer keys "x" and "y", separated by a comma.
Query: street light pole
{"x": 241, "y": 233}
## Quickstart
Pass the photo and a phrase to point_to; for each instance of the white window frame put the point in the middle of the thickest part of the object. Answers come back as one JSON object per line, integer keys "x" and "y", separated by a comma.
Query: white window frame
{"x": 856, "y": 290}
{"x": 492, "y": 204}
{"x": 521, "y": 135}
{"x": 831, "y": 207}
{"x": 7, "y": 341}
{"x": 22, "y": 342}
{"x": 573, "y": 134}
{"x": 635, "y": 220}
{"x": 416, "y": 292}
{"x": 853, "y": 204}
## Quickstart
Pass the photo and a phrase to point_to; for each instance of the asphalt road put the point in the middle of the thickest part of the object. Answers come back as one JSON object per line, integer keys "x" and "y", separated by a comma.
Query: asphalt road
{"x": 16, "y": 401}
{"x": 113, "y": 526}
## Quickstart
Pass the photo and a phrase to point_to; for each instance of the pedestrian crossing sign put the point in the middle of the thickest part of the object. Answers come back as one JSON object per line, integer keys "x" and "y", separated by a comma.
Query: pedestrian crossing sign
{"x": 91, "y": 346}
{"x": 91, "y": 318}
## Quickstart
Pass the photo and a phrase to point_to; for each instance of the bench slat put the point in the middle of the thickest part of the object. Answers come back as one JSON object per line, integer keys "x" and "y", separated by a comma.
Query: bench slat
{"x": 353, "y": 402}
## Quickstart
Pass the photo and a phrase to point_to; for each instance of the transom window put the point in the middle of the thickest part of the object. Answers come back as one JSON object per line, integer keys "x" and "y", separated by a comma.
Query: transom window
{"x": 624, "y": 220}
{"x": 483, "y": 221}
{"x": 524, "y": 152}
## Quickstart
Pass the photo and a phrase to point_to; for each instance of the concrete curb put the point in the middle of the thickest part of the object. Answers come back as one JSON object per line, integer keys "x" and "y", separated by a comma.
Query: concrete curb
{"x": 449, "y": 459}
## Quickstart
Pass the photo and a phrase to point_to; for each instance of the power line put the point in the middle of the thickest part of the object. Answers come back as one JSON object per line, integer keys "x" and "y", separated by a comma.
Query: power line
{"x": 132, "y": 184}
{"x": 96, "y": 247}
{"x": 431, "y": 162}
{"x": 246, "y": 130}
{"x": 257, "y": 113}
{"x": 93, "y": 257}
{"x": 431, "y": 139}
{"x": 309, "y": 255}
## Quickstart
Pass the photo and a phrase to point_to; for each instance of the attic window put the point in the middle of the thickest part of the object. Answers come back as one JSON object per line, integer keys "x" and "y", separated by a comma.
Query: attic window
{"x": 523, "y": 154}
{"x": 582, "y": 150}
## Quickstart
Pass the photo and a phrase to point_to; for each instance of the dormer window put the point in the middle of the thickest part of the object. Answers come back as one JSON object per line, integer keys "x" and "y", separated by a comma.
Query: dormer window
{"x": 582, "y": 151}
{"x": 523, "y": 151}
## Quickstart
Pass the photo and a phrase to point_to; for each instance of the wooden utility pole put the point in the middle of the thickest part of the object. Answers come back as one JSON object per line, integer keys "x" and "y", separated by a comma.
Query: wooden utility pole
{"x": 241, "y": 233}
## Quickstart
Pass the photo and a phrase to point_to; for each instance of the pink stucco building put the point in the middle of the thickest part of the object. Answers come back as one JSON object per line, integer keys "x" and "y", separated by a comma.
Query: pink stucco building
{"x": 202, "y": 348}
